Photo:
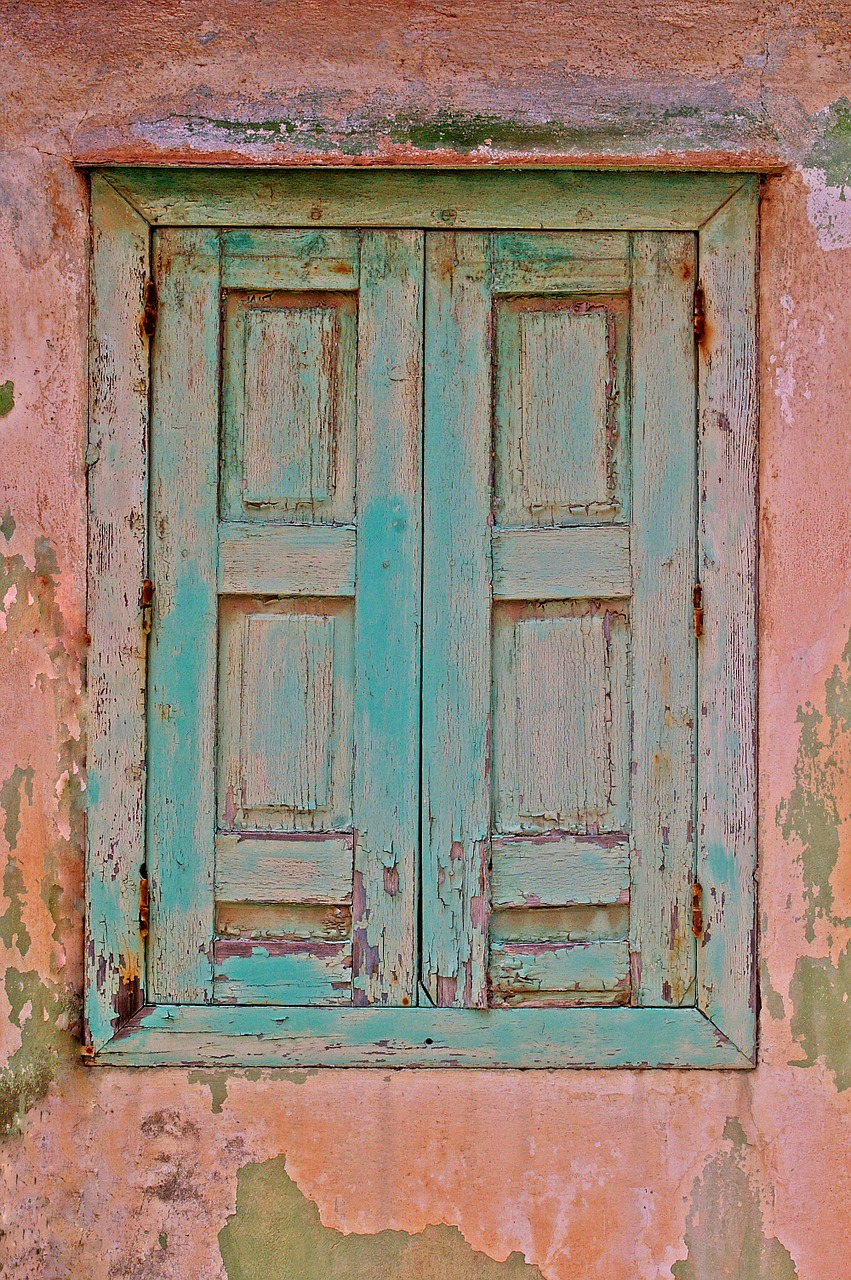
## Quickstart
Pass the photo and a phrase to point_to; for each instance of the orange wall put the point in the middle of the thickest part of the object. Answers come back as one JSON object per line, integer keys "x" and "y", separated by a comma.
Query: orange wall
{"x": 570, "y": 1176}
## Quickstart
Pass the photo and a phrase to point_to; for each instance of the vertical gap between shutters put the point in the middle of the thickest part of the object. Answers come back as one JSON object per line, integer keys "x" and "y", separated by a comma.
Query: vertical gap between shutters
{"x": 419, "y": 993}
{"x": 695, "y": 737}
{"x": 152, "y": 264}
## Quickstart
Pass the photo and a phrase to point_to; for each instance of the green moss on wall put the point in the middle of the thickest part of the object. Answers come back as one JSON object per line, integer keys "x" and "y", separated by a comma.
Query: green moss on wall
{"x": 812, "y": 814}
{"x": 831, "y": 152}
{"x": 725, "y": 1232}
{"x": 276, "y": 1234}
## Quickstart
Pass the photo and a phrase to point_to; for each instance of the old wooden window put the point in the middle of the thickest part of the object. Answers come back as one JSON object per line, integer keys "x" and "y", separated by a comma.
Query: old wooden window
{"x": 429, "y": 738}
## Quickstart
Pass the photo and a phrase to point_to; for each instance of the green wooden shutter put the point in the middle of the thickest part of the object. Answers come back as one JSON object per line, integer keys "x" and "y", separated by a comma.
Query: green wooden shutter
{"x": 559, "y": 656}
{"x": 283, "y": 698}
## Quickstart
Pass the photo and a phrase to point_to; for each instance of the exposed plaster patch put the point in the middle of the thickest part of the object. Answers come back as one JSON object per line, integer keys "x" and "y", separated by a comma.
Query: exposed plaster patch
{"x": 815, "y": 814}
{"x": 726, "y": 1235}
{"x": 276, "y": 1234}
{"x": 827, "y": 173}
{"x": 7, "y": 399}
{"x": 42, "y": 1008}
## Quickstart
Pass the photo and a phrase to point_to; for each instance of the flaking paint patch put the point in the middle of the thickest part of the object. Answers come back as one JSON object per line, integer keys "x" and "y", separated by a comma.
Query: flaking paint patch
{"x": 7, "y": 398}
{"x": 43, "y": 1013}
{"x": 816, "y": 808}
{"x": 827, "y": 173}
{"x": 816, "y": 814}
{"x": 276, "y": 1233}
{"x": 821, "y": 1024}
{"x": 726, "y": 1235}
{"x": 44, "y": 1009}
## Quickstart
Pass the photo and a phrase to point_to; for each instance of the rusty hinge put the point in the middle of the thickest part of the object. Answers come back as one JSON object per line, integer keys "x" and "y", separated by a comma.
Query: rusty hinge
{"x": 699, "y": 314}
{"x": 146, "y": 604}
{"x": 697, "y": 910}
{"x": 697, "y": 606}
{"x": 149, "y": 315}
{"x": 144, "y": 903}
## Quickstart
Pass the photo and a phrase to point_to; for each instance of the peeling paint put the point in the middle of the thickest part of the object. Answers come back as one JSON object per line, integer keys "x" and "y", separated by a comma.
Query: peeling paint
{"x": 726, "y": 1235}
{"x": 276, "y": 1233}
{"x": 827, "y": 173}
{"x": 43, "y": 1013}
{"x": 821, "y": 1024}
{"x": 7, "y": 398}
{"x": 813, "y": 812}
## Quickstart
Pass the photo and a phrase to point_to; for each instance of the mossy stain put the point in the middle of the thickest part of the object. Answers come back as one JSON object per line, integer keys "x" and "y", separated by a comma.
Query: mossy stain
{"x": 725, "y": 1232}
{"x": 276, "y": 1234}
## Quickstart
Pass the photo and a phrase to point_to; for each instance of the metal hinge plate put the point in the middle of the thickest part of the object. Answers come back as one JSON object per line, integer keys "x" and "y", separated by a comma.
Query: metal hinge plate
{"x": 699, "y": 314}
{"x": 148, "y": 322}
{"x": 697, "y": 909}
{"x": 697, "y": 609}
{"x": 146, "y": 604}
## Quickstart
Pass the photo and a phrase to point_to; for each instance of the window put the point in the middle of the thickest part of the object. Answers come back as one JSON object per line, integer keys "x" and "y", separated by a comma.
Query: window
{"x": 430, "y": 738}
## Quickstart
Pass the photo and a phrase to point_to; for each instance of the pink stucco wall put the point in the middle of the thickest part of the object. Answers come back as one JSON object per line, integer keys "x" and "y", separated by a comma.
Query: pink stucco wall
{"x": 623, "y": 1175}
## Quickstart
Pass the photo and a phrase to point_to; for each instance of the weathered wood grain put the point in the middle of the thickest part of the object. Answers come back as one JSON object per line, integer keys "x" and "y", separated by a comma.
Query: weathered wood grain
{"x": 236, "y": 808}
{"x": 726, "y": 733}
{"x": 541, "y": 262}
{"x": 286, "y": 703}
{"x": 291, "y": 868}
{"x": 456, "y": 620}
{"x": 554, "y": 199}
{"x": 559, "y": 870}
{"x": 561, "y": 406}
{"x": 266, "y": 258}
{"x": 304, "y": 971}
{"x": 562, "y": 717}
{"x": 562, "y": 564}
{"x": 388, "y": 618}
{"x": 286, "y": 560}
{"x": 118, "y": 477}
{"x": 663, "y": 660}
{"x": 583, "y": 1037}
{"x": 288, "y": 406}
{"x": 554, "y": 972}
{"x": 182, "y": 656}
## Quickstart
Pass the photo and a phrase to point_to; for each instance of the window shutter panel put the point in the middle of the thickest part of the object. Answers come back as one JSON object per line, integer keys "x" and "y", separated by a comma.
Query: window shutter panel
{"x": 283, "y": 849}
{"x": 558, "y": 666}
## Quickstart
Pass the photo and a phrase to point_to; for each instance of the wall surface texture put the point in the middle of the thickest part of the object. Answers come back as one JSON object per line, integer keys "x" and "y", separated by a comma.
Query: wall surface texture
{"x": 108, "y": 1174}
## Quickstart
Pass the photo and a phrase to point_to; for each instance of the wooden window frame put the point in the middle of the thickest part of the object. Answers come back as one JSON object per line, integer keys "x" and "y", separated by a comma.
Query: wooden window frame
{"x": 719, "y": 1031}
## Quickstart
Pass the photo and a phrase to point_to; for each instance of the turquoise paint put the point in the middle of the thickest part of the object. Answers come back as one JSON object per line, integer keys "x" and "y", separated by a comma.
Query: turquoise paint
{"x": 217, "y": 1036}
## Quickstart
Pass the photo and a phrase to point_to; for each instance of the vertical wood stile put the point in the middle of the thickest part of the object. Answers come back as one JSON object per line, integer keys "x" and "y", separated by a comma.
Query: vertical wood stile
{"x": 727, "y": 471}
{"x": 388, "y": 618}
{"x": 182, "y": 670}
{"x": 118, "y": 477}
{"x": 663, "y": 659}
{"x": 456, "y": 619}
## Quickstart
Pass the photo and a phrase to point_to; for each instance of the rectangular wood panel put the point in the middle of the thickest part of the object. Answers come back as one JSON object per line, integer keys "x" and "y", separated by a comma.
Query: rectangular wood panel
{"x": 554, "y": 973}
{"x": 562, "y": 564}
{"x": 388, "y": 619}
{"x": 286, "y": 711}
{"x": 182, "y": 656}
{"x": 663, "y": 643}
{"x": 118, "y": 481}
{"x": 456, "y": 620}
{"x": 552, "y": 198}
{"x": 271, "y": 258}
{"x": 287, "y": 560}
{"x": 289, "y": 410}
{"x": 727, "y": 659}
{"x": 555, "y": 869}
{"x": 293, "y": 868}
{"x": 303, "y": 971}
{"x": 562, "y": 741}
